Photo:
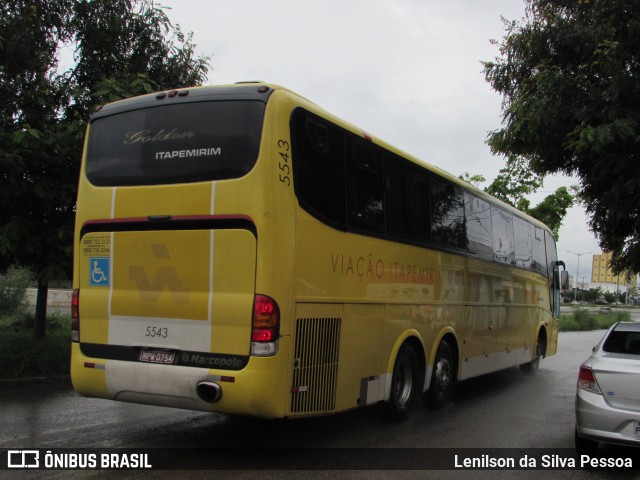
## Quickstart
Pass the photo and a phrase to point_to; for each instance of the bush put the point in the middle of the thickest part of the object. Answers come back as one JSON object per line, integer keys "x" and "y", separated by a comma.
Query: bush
{"x": 582, "y": 319}
{"x": 13, "y": 287}
{"x": 568, "y": 323}
{"x": 22, "y": 355}
{"x": 585, "y": 320}
{"x": 606, "y": 320}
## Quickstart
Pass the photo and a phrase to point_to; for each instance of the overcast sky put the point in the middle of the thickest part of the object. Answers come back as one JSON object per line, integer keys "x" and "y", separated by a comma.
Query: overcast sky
{"x": 407, "y": 71}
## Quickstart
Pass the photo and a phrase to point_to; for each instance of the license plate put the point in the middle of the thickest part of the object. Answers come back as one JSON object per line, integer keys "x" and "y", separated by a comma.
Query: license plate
{"x": 154, "y": 356}
{"x": 637, "y": 429}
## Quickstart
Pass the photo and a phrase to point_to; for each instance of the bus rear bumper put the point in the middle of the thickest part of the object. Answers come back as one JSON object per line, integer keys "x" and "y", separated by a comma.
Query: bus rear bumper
{"x": 255, "y": 390}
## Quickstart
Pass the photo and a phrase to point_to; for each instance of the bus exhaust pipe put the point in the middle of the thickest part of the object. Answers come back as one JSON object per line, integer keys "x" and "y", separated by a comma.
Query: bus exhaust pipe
{"x": 209, "y": 392}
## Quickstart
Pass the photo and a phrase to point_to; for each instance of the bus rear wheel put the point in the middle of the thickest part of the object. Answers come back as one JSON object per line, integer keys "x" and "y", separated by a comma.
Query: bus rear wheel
{"x": 442, "y": 378}
{"x": 531, "y": 368}
{"x": 404, "y": 383}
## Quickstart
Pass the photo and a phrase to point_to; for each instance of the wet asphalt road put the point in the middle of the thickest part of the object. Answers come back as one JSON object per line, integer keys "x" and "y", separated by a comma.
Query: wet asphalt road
{"x": 502, "y": 410}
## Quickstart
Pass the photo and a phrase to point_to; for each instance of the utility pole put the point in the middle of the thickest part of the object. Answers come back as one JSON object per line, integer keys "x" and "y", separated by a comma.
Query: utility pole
{"x": 578, "y": 270}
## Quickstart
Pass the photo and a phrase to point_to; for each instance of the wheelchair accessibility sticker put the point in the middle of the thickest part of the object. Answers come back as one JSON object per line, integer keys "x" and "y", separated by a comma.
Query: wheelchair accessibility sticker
{"x": 99, "y": 272}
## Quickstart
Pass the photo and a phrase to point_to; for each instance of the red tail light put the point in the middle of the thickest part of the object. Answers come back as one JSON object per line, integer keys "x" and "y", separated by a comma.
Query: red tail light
{"x": 266, "y": 326}
{"x": 587, "y": 380}
{"x": 75, "y": 316}
{"x": 266, "y": 319}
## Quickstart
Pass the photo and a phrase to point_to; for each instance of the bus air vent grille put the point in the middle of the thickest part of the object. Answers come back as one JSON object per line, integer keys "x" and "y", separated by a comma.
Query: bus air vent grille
{"x": 315, "y": 367}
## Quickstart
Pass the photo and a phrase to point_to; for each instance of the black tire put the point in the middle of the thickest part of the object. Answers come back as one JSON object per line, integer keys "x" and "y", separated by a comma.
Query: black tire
{"x": 532, "y": 367}
{"x": 585, "y": 446}
{"x": 405, "y": 383}
{"x": 443, "y": 377}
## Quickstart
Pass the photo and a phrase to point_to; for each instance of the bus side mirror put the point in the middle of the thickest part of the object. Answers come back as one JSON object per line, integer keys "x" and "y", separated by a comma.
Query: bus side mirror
{"x": 564, "y": 275}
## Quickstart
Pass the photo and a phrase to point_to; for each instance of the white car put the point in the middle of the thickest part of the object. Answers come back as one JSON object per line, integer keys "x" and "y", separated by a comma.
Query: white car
{"x": 608, "y": 392}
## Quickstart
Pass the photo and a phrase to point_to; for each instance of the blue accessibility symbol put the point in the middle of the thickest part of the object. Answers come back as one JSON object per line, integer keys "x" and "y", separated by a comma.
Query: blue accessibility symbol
{"x": 99, "y": 272}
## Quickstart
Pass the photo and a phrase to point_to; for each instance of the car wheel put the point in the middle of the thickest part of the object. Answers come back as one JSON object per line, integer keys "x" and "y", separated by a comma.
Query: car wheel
{"x": 585, "y": 446}
{"x": 442, "y": 378}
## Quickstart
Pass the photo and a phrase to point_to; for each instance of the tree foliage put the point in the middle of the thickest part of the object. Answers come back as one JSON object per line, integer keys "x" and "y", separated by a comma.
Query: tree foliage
{"x": 120, "y": 48}
{"x": 552, "y": 210}
{"x": 516, "y": 182}
{"x": 569, "y": 73}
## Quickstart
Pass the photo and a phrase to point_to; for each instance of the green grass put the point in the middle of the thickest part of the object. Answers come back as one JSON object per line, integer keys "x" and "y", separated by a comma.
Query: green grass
{"x": 583, "y": 319}
{"x": 23, "y": 356}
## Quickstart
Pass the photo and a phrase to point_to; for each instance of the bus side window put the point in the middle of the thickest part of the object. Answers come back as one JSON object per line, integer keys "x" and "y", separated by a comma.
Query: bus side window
{"x": 447, "y": 214}
{"x": 539, "y": 251}
{"x": 319, "y": 168}
{"x": 365, "y": 188}
{"x": 523, "y": 243}
{"x": 318, "y": 137}
{"x": 478, "y": 224}
{"x": 406, "y": 200}
{"x": 503, "y": 241}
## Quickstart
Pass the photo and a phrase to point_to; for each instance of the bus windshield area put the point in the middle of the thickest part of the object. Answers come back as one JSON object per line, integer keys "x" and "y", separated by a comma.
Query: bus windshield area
{"x": 182, "y": 143}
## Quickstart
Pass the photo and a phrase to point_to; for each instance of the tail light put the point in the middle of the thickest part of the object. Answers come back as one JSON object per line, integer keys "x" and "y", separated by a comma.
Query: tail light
{"x": 587, "y": 380}
{"x": 75, "y": 316}
{"x": 265, "y": 326}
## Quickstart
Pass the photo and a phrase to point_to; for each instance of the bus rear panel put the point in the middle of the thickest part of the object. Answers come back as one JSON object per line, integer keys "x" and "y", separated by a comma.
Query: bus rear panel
{"x": 169, "y": 215}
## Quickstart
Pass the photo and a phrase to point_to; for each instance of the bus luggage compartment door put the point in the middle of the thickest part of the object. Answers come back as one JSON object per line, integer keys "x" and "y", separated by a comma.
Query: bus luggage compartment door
{"x": 171, "y": 290}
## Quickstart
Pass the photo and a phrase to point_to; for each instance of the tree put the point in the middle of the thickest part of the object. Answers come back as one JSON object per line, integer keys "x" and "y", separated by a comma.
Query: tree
{"x": 552, "y": 210}
{"x": 592, "y": 295}
{"x": 569, "y": 73}
{"x": 515, "y": 182}
{"x": 121, "y": 48}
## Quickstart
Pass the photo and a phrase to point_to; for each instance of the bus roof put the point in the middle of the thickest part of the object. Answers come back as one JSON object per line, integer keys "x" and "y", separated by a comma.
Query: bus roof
{"x": 258, "y": 90}
{"x": 422, "y": 163}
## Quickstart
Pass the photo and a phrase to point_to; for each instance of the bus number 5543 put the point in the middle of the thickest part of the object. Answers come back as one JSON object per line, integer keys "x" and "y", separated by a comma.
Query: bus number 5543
{"x": 283, "y": 165}
{"x": 162, "y": 332}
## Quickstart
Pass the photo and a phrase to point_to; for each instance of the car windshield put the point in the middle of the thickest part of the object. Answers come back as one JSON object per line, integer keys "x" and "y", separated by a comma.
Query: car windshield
{"x": 622, "y": 342}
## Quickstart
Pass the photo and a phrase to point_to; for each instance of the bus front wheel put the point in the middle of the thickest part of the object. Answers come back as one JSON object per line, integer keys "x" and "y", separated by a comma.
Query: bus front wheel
{"x": 442, "y": 377}
{"x": 404, "y": 383}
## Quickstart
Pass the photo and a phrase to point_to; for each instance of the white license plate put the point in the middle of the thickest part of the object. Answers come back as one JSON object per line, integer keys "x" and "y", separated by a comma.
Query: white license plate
{"x": 154, "y": 356}
{"x": 637, "y": 429}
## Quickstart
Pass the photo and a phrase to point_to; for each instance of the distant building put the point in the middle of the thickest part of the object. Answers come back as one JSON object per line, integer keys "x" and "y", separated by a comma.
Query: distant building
{"x": 602, "y": 273}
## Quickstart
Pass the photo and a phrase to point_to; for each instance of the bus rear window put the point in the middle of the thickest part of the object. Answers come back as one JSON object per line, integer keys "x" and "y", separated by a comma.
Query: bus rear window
{"x": 186, "y": 142}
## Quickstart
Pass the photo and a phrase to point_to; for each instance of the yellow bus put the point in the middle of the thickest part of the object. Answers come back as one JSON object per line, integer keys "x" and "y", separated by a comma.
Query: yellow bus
{"x": 240, "y": 250}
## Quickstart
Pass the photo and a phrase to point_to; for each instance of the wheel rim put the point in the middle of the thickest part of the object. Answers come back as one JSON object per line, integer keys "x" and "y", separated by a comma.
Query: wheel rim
{"x": 442, "y": 376}
{"x": 404, "y": 382}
